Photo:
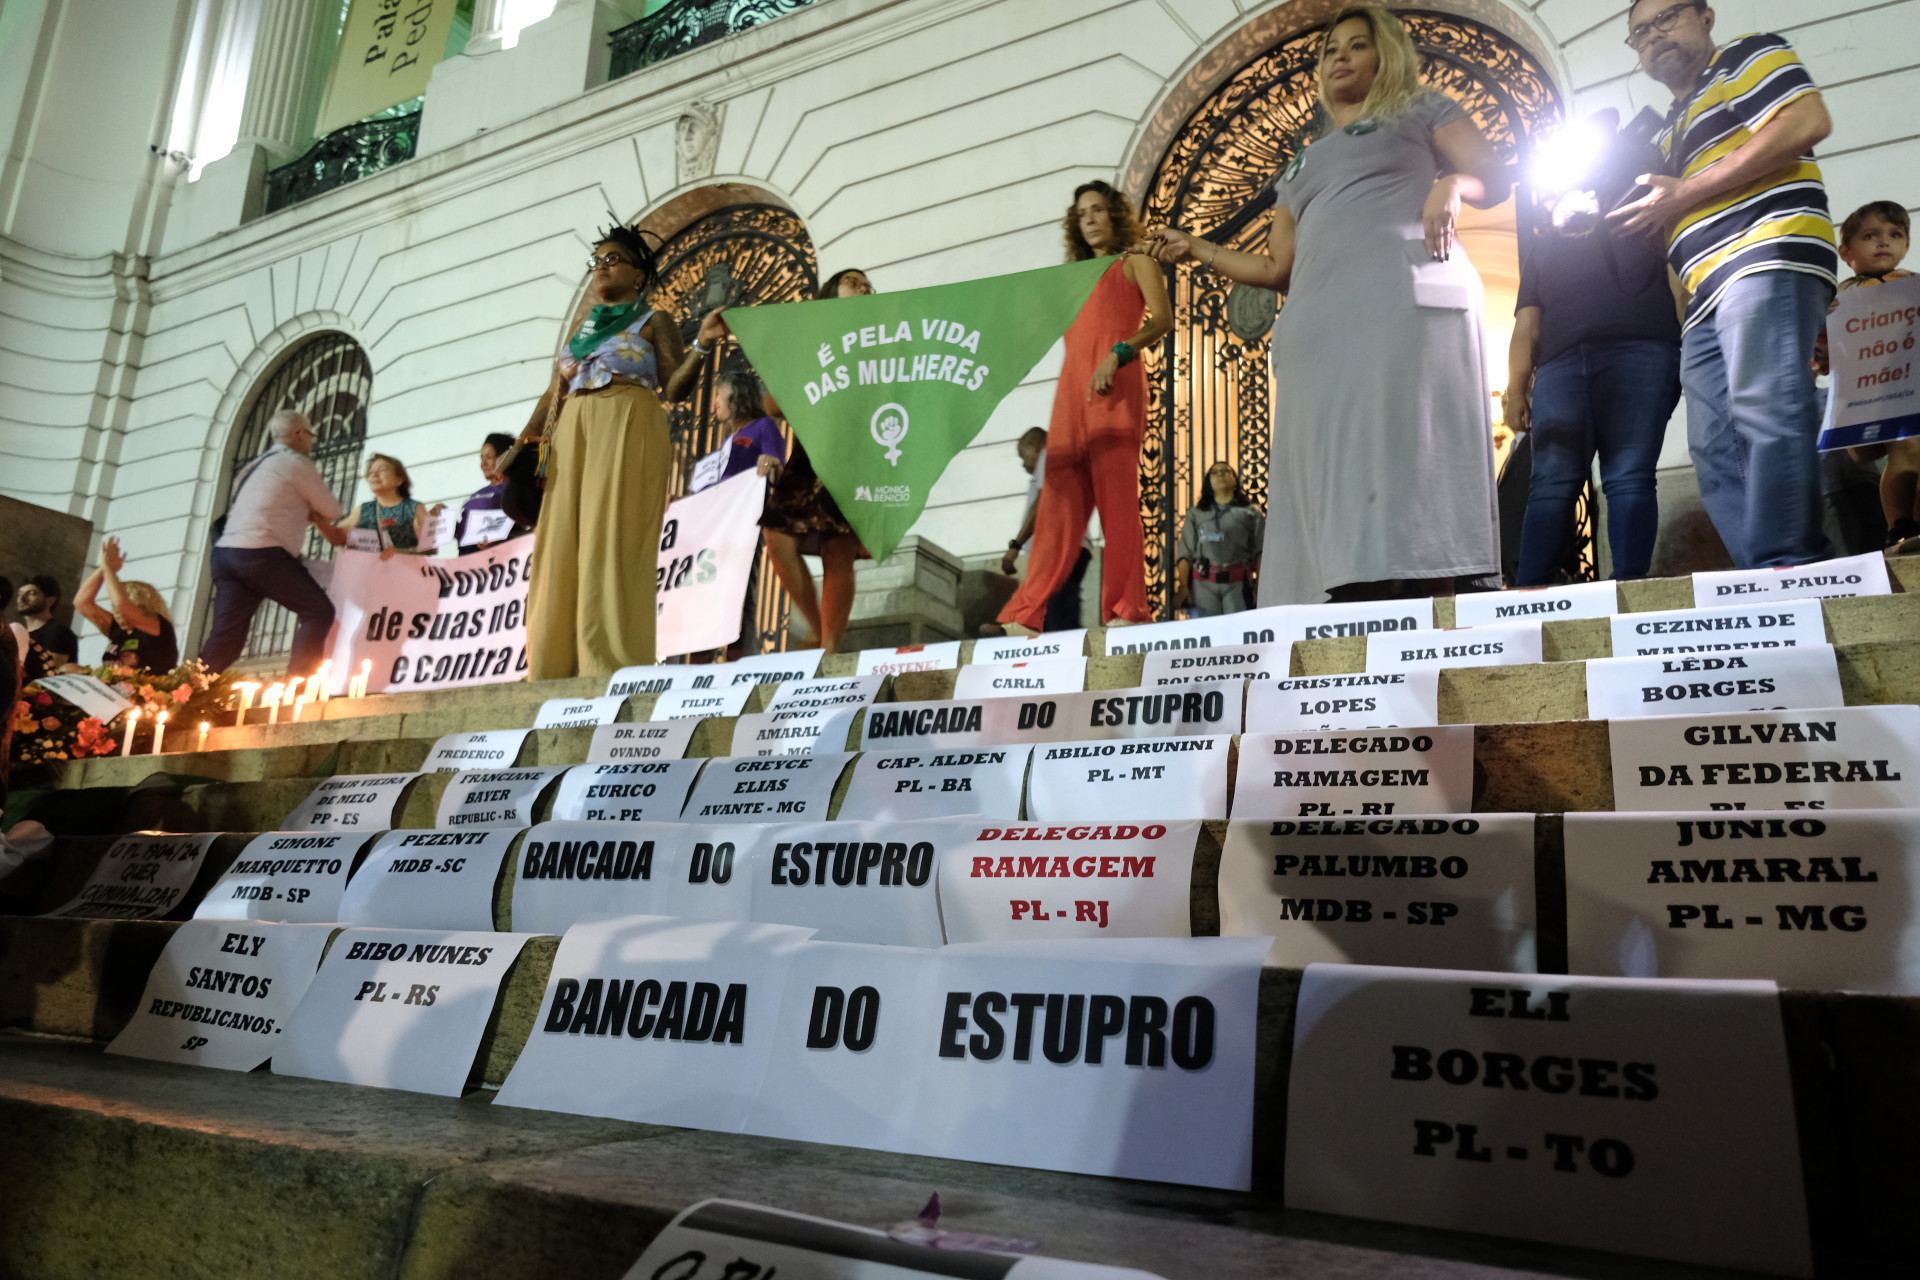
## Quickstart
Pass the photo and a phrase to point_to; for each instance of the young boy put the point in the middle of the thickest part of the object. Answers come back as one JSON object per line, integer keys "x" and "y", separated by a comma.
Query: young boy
{"x": 1873, "y": 241}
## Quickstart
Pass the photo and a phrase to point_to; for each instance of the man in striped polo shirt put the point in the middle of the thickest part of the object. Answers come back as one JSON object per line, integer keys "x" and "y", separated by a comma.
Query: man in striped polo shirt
{"x": 1748, "y": 233}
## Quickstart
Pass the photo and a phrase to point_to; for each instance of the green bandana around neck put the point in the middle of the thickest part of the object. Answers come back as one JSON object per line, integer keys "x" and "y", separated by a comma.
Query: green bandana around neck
{"x": 602, "y": 323}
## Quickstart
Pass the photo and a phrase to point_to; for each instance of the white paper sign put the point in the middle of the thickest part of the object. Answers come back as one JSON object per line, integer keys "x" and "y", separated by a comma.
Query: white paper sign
{"x": 494, "y": 797}
{"x": 903, "y": 785}
{"x": 1870, "y": 339}
{"x": 221, "y": 993}
{"x": 707, "y": 874}
{"x": 708, "y": 543}
{"x": 569, "y": 713}
{"x": 782, "y": 733}
{"x": 365, "y": 540}
{"x": 440, "y": 530}
{"x": 1050, "y": 644}
{"x": 364, "y": 802}
{"x": 1221, "y": 664}
{"x": 1864, "y": 575}
{"x": 1298, "y": 775}
{"x": 568, "y": 870}
{"x": 1141, "y": 778}
{"x": 698, "y": 704}
{"x": 624, "y": 743}
{"x": 642, "y": 791}
{"x": 429, "y": 623}
{"x": 654, "y": 1019}
{"x": 428, "y": 880}
{"x": 858, "y": 881}
{"x": 1701, "y": 684}
{"x": 799, "y": 1247}
{"x": 1126, "y": 1058}
{"x": 1542, "y": 604}
{"x": 794, "y": 788}
{"x": 659, "y": 678}
{"x": 1306, "y": 703}
{"x": 1636, "y": 1117}
{"x": 1442, "y": 892}
{"x": 1498, "y": 645}
{"x": 1841, "y": 758}
{"x": 1250, "y": 626}
{"x": 89, "y": 693}
{"x": 1788, "y": 624}
{"x": 398, "y": 1009}
{"x": 487, "y": 749}
{"x": 1084, "y": 880}
{"x": 943, "y": 656}
{"x": 1827, "y": 901}
{"x": 708, "y": 470}
{"x": 1062, "y": 717}
{"x": 141, "y": 877}
{"x": 831, "y": 693}
{"x": 1020, "y": 679}
{"x": 770, "y": 668}
{"x": 488, "y": 526}
{"x": 290, "y": 876}
{"x": 1332, "y": 621}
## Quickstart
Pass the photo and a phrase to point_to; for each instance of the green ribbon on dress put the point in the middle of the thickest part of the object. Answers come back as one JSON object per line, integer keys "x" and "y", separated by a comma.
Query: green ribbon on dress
{"x": 602, "y": 323}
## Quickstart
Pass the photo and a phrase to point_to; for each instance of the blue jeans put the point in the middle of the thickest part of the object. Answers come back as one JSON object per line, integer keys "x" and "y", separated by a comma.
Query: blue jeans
{"x": 242, "y": 578}
{"x": 1613, "y": 398}
{"x": 1753, "y": 415}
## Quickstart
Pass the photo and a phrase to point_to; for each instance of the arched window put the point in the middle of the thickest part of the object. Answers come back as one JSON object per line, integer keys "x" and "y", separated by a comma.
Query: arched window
{"x": 328, "y": 379}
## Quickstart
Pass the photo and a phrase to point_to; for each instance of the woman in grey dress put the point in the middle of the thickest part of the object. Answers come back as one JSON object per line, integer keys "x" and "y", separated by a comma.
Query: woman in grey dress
{"x": 1382, "y": 473}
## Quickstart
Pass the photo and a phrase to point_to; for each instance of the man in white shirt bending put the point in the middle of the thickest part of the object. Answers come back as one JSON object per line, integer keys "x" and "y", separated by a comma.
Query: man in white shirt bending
{"x": 258, "y": 556}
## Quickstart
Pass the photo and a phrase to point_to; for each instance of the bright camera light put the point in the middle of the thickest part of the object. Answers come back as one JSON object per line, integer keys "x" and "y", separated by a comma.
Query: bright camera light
{"x": 1567, "y": 158}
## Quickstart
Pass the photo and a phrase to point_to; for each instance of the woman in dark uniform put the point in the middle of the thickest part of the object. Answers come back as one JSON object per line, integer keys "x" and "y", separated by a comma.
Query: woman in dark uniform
{"x": 1219, "y": 548}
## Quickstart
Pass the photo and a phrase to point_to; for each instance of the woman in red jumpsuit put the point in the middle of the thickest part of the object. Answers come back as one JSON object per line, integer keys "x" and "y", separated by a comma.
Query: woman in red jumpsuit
{"x": 1099, "y": 419}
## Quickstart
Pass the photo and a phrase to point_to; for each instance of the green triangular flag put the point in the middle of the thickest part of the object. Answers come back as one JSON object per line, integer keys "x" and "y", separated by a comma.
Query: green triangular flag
{"x": 883, "y": 391}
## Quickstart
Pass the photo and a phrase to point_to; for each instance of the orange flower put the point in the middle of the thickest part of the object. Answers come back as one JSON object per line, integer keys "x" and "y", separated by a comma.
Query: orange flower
{"x": 51, "y": 722}
{"x": 183, "y": 694}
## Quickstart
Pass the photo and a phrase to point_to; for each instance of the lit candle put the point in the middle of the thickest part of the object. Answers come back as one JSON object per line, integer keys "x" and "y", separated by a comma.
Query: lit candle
{"x": 204, "y": 726}
{"x": 292, "y": 696}
{"x": 357, "y": 687}
{"x": 271, "y": 700}
{"x": 321, "y": 680}
{"x": 159, "y": 732}
{"x": 126, "y": 744}
{"x": 246, "y": 690}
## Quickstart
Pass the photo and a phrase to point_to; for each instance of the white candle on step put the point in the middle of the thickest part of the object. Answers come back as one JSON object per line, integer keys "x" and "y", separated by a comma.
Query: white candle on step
{"x": 246, "y": 691}
{"x": 292, "y": 698}
{"x": 321, "y": 681}
{"x": 126, "y": 744}
{"x": 271, "y": 700}
{"x": 204, "y": 726}
{"x": 159, "y": 732}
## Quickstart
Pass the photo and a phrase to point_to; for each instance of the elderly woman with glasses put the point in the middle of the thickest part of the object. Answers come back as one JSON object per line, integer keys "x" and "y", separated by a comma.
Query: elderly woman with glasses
{"x": 606, "y": 459}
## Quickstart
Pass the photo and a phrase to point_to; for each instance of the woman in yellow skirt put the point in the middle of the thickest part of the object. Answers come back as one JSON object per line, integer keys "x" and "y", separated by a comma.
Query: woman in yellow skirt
{"x": 590, "y": 609}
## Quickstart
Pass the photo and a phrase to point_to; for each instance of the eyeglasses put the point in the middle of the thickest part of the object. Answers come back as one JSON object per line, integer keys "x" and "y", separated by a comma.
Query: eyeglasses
{"x": 609, "y": 260}
{"x": 1662, "y": 22}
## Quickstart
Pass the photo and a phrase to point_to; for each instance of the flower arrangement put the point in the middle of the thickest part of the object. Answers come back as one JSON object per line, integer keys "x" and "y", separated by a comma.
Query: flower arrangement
{"x": 48, "y": 729}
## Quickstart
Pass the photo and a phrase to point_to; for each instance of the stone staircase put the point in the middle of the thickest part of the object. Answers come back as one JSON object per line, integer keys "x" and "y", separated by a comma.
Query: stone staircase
{"x": 123, "y": 1167}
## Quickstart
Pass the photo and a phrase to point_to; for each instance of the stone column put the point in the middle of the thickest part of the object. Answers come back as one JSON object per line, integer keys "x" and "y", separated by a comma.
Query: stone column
{"x": 280, "y": 78}
{"x": 489, "y": 27}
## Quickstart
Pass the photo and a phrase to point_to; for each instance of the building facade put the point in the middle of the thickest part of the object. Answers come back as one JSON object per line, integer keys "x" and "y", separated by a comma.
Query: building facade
{"x": 169, "y": 274}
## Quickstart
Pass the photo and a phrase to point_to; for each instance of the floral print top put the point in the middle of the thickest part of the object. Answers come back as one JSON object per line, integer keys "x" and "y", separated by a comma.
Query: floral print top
{"x": 625, "y": 355}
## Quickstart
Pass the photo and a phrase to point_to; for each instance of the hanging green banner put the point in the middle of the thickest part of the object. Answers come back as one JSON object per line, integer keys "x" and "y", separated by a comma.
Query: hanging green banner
{"x": 884, "y": 390}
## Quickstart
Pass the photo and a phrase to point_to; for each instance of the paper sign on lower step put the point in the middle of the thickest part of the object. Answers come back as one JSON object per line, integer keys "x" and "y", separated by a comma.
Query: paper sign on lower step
{"x": 622, "y": 743}
{"x": 141, "y": 877}
{"x": 494, "y": 797}
{"x": 357, "y": 802}
{"x": 897, "y": 785}
{"x": 1863, "y": 575}
{"x": 1702, "y": 684}
{"x": 221, "y": 993}
{"x": 290, "y": 876}
{"x": 708, "y": 873}
{"x": 661, "y": 678}
{"x": 1121, "y": 1057}
{"x": 796, "y": 788}
{"x": 1538, "y": 604}
{"x": 1226, "y": 664}
{"x": 698, "y": 704}
{"x": 1366, "y": 618}
{"x": 944, "y": 656}
{"x": 1050, "y": 644}
{"x": 1786, "y": 624}
{"x": 1137, "y": 778}
{"x": 642, "y": 791}
{"x": 1250, "y": 626}
{"x": 1652, "y": 1118}
{"x": 1309, "y": 703}
{"x": 398, "y": 1009}
{"x": 654, "y": 1019}
{"x": 1059, "y": 717}
{"x": 488, "y": 749}
{"x": 1365, "y": 772}
{"x": 1838, "y": 758}
{"x": 570, "y": 713}
{"x": 1502, "y": 644}
{"x": 1078, "y": 880}
{"x": 1826, "y": 901}
{"x": 89, "y": 693}
{"x": 798, "y": 1247}
{"x": 567, "y": 870}
{"x": 794, "y": 732}
{"x": 770, "y": 668}
{"x": 859, "y": 881}
{"x": 1442, "y": 892}
{"x": 1020, "y": 679}
{"x": 428, "y": 880}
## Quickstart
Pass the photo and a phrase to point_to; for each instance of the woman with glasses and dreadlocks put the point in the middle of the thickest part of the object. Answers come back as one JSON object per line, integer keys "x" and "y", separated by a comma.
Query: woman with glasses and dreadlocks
{"x": 606, "y": 460}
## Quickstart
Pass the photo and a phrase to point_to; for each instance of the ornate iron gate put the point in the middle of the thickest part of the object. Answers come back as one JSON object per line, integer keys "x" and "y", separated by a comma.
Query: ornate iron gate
{"x": 329, "y": 380}
{"x": 1212, "y": 374}
{"x": 738, "y": 256}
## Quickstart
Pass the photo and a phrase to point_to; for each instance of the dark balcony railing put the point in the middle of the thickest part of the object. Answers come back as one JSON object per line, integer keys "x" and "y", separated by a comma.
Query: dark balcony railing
{"x": 688, "y": 24}
{"x": 343, "y": 156}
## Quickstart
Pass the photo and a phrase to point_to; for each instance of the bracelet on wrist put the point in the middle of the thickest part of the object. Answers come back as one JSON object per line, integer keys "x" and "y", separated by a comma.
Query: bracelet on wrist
{"x": 1125, "y": 351}
{"x": 699, "y": 350}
